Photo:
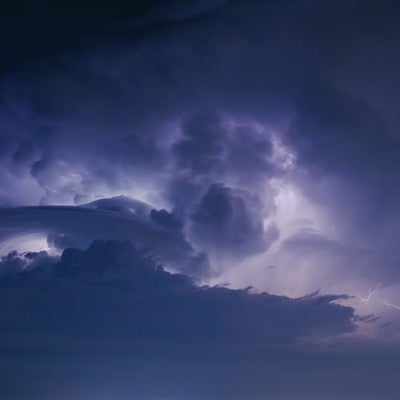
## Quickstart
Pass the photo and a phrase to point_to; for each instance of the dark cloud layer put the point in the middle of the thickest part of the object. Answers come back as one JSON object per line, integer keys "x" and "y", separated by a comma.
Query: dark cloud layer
{"x": 162, "y": 301}
{"x": 115, "y": 298}
{"x": 108, "y": 321}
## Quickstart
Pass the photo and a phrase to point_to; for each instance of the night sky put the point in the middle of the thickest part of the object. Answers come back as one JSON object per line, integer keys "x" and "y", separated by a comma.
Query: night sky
{"x": 199, "y": 200}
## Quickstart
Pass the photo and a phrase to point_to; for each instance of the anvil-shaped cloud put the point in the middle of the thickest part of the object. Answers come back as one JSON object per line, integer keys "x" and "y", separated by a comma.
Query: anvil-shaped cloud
{"x": 117, "y": 218}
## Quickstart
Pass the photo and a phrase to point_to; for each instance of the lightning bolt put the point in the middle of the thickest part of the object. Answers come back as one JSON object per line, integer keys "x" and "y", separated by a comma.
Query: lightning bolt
{"x": 391, "y": 305}
{"x": 371, "y": 292}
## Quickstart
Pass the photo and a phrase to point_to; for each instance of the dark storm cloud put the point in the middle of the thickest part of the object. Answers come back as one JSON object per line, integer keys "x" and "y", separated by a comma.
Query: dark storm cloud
{"x": 230, "y": 222}
{"x": 112, "y": 288}
{"x": 108, "y": 320}
{"x": 133, "y": 113}
{"x": 166, "y": 219}
{"x": 112, "y": 308}
{"x": 218, "y": 147}
{"x": 107, "y": 104}
{"x": 249, "y": 157}
{"x": 224, "y": 220}
{"x": 201, "y": 149}
{"x": 337, "y": 135}
{"x": 187, "y": 106}
{"x": 341, "y": 138}
{"x": 14, "y": 263}
{"x": 342, "y": 134}
{"x": 159, "y": 110}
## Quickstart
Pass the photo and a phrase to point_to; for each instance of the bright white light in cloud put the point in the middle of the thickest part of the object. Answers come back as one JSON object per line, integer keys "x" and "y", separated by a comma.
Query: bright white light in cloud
{"x": 25, "y": 243}
{"x": 371, "y": 293}
{"x": 282, "y": 156}
{"x": 294, "y": 212}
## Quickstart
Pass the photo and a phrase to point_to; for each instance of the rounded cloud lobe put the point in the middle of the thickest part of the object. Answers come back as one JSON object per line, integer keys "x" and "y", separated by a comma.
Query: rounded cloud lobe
{"x": 229, "y": 221}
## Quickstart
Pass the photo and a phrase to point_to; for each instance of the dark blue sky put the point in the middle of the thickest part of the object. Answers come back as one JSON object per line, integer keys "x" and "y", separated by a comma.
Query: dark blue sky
{"x": 199, "y": 200}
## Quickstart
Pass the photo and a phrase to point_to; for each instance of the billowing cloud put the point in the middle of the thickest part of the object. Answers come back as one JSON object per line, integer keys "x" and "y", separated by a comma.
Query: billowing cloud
{"x": 121, "y": 267}
{"x": 162, "y": 115}
{"x": 215, "y": 146}
{"x": 230, "y": 222}
{"x": 112, "y": 292}
{"x": 254, "y": 143}
{"x": 120, "y": 218}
